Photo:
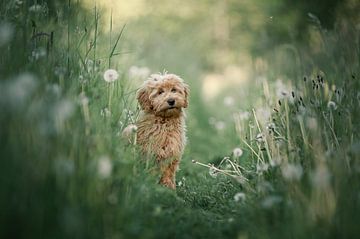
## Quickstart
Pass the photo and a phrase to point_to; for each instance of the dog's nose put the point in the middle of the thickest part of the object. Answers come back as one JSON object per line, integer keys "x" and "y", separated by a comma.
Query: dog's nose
{"x": 171, "y": 102}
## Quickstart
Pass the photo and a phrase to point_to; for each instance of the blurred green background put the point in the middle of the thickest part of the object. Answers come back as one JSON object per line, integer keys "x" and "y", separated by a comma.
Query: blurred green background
{"x": 277, "y": 79}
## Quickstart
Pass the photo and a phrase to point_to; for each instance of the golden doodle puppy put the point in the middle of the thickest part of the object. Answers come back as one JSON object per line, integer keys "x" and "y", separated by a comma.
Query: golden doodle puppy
{"x": 161, "y": 124}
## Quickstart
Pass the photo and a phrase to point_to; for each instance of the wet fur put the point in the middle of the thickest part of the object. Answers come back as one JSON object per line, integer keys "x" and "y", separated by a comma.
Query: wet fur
{"x": 161, "y": 130}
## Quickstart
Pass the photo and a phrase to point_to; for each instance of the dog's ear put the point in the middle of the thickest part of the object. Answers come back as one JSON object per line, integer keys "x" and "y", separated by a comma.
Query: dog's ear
{"x": 187, "y": 93}
{"x": 143, "y": 98}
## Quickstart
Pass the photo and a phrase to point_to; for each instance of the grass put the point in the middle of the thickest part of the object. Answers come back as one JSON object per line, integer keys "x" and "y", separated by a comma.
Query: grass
{"x": 66, "y": 172}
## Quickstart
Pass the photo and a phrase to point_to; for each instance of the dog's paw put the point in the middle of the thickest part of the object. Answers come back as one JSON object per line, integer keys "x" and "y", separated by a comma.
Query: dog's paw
{"x": 167, "y": 182}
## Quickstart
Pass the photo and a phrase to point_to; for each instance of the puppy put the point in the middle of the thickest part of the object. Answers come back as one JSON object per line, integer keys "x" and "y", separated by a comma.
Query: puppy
{"x": 161, "y": 124}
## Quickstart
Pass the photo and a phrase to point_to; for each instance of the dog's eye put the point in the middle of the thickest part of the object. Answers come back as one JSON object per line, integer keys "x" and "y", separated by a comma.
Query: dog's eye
{"x": 160, "y": 92}
{"x": 173, "y": 90}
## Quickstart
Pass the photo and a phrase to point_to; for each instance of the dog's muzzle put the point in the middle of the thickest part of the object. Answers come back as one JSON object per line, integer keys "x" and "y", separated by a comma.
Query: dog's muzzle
{"x": 171, "y": 102}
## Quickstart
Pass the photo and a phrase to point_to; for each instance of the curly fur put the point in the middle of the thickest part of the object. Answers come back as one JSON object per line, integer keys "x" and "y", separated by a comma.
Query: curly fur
{"x": 161, "y": 125}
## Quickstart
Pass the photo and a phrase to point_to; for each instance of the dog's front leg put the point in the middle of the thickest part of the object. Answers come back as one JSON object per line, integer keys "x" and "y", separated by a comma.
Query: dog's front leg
{"x": 168, "y": 170}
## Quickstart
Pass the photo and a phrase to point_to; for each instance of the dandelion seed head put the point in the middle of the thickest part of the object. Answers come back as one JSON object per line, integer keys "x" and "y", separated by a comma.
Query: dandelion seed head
{"x": 129, "y": 130}
{"x": 332, "y": 105}
{"x": 21, "y": 88}
{"x": 104, "y": 167}
{"x": 311, "y": 123}
{"x": 64, "y": 109}
{"x": 271, "y": 201}
{"x": 321, "y": 177}
{"x": 229, "y": 101}
{"x": 111, "y": 75}
{"x": 237, "y": 152}
{"x": 239, "y": 197}
{"x": 292, "y": 172}
{"x": 220, "y": 125}
{"x": 83, "y": 99}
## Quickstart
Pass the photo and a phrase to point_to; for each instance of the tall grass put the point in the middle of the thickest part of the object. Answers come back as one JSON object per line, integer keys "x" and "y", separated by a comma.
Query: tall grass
{"x": 66, "y": 172}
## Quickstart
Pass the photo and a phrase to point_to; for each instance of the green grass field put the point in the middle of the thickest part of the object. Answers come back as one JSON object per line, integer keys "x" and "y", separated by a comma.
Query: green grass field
{"x": 276, "y": 157}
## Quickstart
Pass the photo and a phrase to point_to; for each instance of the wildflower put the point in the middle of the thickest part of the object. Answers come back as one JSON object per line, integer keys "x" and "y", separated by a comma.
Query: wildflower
{"x": 239, "y": 197}
{"x": 6, "y": 33}
{"x": 332, "y": 105}
{"x": 111, "y": 75}
{"x": 129, "y": 130}
{"x": 229, "y": 101}
{"x": 104, "y": 167}
{"x": 270, "y": 201}
{"x": 292, "y": 172}
{"x": 237, "y": 152}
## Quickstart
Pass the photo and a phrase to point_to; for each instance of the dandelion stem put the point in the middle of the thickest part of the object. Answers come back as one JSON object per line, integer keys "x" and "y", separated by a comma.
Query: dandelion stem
{"x": 265, "y": 139}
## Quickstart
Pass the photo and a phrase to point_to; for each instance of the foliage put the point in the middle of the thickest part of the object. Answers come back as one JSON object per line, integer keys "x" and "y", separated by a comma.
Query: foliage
{"x": 276, "y": 157}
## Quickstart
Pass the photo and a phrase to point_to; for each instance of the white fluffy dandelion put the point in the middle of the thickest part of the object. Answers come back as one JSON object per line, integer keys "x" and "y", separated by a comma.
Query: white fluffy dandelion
{"x": 129, "y": 130}
{"x": 237, "y": 152}
{"x": 271, "y": 201}
{"x": 229, "y": 101}
{"x": 104, "y": 167}
{"x": 332, "y": 105}
{"x": 292, "y": 172}
{"x": 111, "y": 75}
{"x": 239, "y": 197}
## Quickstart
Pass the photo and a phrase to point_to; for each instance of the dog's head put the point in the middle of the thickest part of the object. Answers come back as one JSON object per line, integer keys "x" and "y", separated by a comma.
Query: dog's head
{"x": 163, "y": 95}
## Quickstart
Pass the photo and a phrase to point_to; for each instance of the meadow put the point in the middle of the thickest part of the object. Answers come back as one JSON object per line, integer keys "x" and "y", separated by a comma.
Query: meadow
{"x": 275, "y": 156}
